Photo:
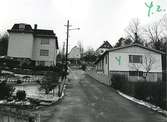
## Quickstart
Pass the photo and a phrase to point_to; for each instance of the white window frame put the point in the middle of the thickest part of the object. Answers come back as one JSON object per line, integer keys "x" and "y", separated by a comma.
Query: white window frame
{"x": 21, "y": 26}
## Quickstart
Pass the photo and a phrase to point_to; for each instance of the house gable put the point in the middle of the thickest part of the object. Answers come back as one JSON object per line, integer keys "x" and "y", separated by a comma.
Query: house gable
{"x": 105, "y": 46}
{"x": 74, "y": 53}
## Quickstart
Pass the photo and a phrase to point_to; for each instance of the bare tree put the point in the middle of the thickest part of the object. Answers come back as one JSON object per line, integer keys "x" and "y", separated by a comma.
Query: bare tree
{"x": 148, "y": 61}
{"x": 164, "y": 23}
{"x": 154, "y": 32}
{"x": 134, "y": 31}
{"x": 146, "y": 65}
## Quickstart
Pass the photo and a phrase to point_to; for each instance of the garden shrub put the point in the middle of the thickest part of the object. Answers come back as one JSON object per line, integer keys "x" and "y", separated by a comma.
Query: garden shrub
{"x": 50, "y": 81}
{"x": 6, "y": 90}
{"x": 19, "y": 82}
{"x": 21, "y": 95}
{"x": 83, "y": 67}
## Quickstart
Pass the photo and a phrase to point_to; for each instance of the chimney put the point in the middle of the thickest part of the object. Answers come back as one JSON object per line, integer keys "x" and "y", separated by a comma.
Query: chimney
{"x": 35, "y": 26}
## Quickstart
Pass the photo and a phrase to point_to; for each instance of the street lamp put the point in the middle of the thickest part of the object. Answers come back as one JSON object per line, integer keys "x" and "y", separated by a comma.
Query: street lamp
{"x": 68, "y": 29}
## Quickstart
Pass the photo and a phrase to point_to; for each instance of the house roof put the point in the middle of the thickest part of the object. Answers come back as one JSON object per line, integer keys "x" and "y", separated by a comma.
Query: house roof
{"x": 106, "y": 45}
{"x": 132, "y": 45}
{"x": 43, "y": 33}
{"x": 27, "y": 28}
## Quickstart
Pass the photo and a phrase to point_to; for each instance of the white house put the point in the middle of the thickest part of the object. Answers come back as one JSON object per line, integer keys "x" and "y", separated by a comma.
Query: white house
{"x": 35, "y": 44}
{"x": 74, "y": 55}
{"x": 134, "y": 62}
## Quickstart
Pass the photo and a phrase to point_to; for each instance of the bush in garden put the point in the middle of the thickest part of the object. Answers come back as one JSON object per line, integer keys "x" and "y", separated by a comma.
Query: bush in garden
{"x": 19, "y": 82}
{"x": 52, "y": 76}
{"x": 6, "y": 90}
{"x": 21, "y": 95}
{"x": 83, "y": 67}
{"x": 50, "y": 81}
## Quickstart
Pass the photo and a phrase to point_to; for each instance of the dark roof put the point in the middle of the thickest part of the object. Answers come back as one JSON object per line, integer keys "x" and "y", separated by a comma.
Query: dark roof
{"x": 106, "y": 45}
{"x": 135, "y": 44}
{"x": 44, "y": 33}
{"x": 26, "y": 29}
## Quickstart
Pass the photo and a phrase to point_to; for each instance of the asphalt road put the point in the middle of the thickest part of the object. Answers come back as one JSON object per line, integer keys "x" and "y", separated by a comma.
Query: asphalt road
{"x": 86, "y": 100}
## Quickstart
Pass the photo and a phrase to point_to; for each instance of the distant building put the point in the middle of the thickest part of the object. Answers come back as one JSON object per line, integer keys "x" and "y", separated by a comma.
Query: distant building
{"x": 35, "y": 44}
{"x": 131, "y": 61}
{"x": 105, "y": 46}
{"x": 74, "y": 55}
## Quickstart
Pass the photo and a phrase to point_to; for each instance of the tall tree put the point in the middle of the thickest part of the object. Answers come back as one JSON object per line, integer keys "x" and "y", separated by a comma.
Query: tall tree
{"x": 4, "y": 44}
{"x": 127, "y": 41}
{"x": 89, "y": 56}
{"x": 123, "y": 42}
{"x": 120, "y": 42}
{"x": 154, "y": 33}
{"x": 134, "y": 31}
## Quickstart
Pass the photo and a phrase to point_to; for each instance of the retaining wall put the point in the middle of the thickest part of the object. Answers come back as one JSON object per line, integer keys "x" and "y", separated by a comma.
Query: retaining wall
{"x": 100, "y": 77}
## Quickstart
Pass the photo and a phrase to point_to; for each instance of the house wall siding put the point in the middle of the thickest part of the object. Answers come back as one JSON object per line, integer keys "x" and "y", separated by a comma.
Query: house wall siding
{"x": 20, "y": 45}
{"x": 106, "y": 64}
{"x": 51, "y": 47}
{"x": 119, "y": 59}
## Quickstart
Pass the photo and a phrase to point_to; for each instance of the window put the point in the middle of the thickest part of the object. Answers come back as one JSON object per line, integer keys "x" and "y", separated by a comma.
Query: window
{"x": 135, "y": 59}
{"x": 135, "y": 73}
{"x": 44, "y": 41}
{"x": 44, "y": 52}
{"x": 21, "y": 26}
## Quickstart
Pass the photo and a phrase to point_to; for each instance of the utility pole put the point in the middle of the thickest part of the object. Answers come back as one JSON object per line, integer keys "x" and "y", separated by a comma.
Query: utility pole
{"x": 67, "y": 45}
{"x": 68, "y": 29}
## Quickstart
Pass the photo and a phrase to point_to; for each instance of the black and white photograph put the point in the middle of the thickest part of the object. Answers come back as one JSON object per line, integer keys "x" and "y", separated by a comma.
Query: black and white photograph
{"x": 83, "y": 61}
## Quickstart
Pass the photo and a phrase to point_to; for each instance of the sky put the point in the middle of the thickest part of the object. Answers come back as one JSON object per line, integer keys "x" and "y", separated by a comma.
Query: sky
{"x": 98, "y": 20}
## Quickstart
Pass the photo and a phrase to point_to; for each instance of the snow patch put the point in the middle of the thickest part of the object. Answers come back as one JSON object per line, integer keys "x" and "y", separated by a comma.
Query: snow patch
{"x": 141, "y": 102}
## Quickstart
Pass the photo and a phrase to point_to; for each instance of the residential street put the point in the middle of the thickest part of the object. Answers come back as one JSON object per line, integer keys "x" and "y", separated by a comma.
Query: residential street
{"x": 86, "y": 100}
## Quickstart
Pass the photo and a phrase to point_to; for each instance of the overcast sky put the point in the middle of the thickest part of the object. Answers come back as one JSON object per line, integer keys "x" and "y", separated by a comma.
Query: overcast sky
{"x": 98, "y": 20}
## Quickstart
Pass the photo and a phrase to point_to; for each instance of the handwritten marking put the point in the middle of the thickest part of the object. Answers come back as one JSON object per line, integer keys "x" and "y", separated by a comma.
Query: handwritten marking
{"x": 118, "y": 60}
{"x": 149, "y": 7}
{"x": 152, "y": 8}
